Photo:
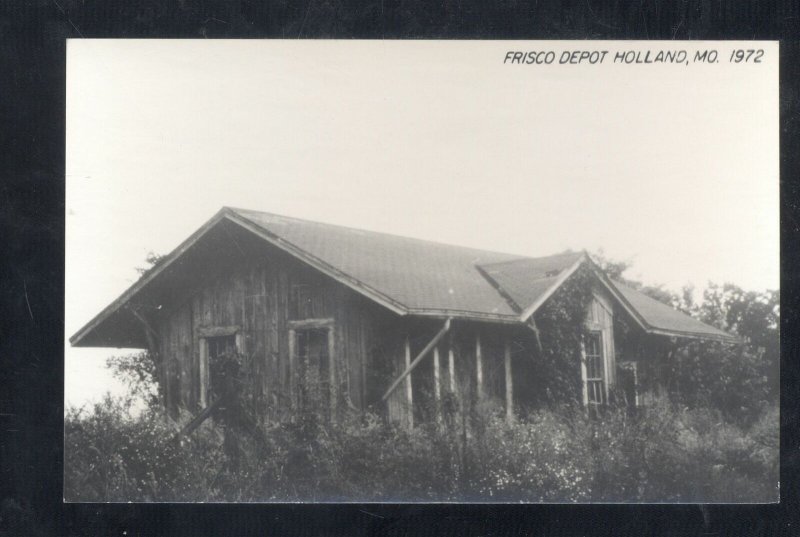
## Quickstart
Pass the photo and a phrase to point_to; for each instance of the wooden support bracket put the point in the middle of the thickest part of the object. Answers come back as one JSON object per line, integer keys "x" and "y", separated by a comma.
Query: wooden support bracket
{"x": 417, "y": 360}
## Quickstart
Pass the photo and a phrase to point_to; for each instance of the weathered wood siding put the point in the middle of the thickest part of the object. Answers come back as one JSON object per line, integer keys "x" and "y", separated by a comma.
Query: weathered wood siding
{"x": 238, "y": 281}
{"x": 256, "y": 295}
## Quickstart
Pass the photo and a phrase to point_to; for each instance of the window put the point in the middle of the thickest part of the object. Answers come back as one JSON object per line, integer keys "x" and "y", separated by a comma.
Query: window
{"x": 594, "y": 379}
{"x": 314, "y": 363}
{"x": 214, "y": 342}
{"x": 220, "y": 346}
{"x": 312, "y": 367}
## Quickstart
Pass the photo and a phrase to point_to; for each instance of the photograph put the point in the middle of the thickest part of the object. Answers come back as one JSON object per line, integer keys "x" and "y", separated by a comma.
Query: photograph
{"x": 316, "y": 271}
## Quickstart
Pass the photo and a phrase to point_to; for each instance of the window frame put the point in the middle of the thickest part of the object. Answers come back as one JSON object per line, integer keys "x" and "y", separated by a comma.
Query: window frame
{"x": 601, "y": 367}
{"x": 294, "y": 369}
{"x": 204, "y": 373}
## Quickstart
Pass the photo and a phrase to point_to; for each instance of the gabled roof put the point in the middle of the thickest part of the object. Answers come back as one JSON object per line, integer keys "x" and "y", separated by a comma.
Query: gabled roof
{"x": 408, "y": 276}
{"x": 662, "y": 319}
{"x": 418, "y": 276}
{"x": 527, "y": 282}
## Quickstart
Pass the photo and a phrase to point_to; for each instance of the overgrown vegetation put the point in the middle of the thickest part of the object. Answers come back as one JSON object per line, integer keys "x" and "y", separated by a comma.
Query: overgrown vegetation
{"x": 559, "y": 329}
{"x": 713, "y": 439}
{"x": 664, "y": 453}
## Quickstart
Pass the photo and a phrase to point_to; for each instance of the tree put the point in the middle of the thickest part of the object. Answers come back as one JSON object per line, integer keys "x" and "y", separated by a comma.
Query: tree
{"x": 615, "y": 270}
{"x": 754, "y": 316}
{"x": 139, "y": 370}
{"x": 732, "y": 378}
{"x": 153, "y": 260}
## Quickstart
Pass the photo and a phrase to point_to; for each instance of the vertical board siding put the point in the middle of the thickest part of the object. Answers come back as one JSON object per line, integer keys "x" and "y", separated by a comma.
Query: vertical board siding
{"x": 600, "y": 317}
{"x": 256, "y": 296}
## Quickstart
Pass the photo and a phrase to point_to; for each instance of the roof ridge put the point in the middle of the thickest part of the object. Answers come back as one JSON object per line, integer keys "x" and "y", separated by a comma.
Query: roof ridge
{"x": 516, "y": 257}
{"x": 529, "y": 258}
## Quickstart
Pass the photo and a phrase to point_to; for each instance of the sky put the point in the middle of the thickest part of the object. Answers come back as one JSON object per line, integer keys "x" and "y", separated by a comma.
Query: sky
{"x": 673, "y": 167}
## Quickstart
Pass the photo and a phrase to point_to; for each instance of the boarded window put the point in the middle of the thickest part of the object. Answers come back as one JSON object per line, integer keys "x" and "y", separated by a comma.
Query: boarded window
{"x": 221, "y": 346}
{"x": 212, "y": 348}
{"x": 595, "y": 369}
{"x": 313, "y": 348}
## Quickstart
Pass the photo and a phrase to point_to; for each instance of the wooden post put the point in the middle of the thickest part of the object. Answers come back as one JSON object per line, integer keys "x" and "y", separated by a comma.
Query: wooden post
{"x": 240, "y": 343}
{"x": 478, "y": 366}
{"x": 509, "y": 382}
{"x": 451, "y": 365}
{"x": 292, "y": 371}
{"x": 409, "y": 390}
{"x": 583, "y": 375}
{"x": 437, "y": 390}
{"x": 203, "y": 372}
{"x": 332, "y": 370}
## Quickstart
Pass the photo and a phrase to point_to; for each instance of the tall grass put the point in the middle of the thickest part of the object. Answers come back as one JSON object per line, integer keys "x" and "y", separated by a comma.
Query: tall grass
{"x": 662, "y": 453}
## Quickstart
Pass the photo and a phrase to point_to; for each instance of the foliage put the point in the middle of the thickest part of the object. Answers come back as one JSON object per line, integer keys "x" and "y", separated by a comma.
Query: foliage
{"x": 534, "y": 460}
{"x": 738, "y": 380}
{"x": 755, "y": 317}
{"x": 153, "y": 260}
{"x": 111, "y": 455}
{"x": 714, "y": 440}
{"x": 138, "y": 372}
{"x": 732, "y": 379}
{"x": 615, "y": 270}
{"x": 560, "y": 330}
{"x": 662, "y": 453}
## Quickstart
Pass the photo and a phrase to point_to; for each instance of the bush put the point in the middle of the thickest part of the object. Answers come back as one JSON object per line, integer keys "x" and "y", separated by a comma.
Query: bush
{"x": 538, "y": 459}
{"x": 661, "y": 453}
{"x": 113, "y": 456}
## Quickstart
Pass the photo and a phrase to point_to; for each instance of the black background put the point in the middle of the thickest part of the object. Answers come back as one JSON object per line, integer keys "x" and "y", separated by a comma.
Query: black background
{"x": 32, "y": 111}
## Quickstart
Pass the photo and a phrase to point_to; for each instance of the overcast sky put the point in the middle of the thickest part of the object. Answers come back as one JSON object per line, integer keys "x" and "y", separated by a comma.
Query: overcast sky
{"x": 674, "y": 167}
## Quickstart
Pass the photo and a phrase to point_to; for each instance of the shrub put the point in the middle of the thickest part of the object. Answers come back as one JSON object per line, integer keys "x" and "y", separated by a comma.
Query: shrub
{"x": 660, "y": 453}
{"x": 538, "y": 459}
{"x": 113, "y": 456}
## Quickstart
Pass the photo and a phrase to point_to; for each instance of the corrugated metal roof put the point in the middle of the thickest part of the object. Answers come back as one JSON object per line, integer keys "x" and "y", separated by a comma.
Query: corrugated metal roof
{"x": 526, "y": 280}
{"x": 663, "y": 317}
{"x": 420, "y": 275}
{"x": 410, "y": 276}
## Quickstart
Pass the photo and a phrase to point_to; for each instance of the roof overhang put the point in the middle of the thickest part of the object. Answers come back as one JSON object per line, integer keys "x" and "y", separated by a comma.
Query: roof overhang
{"x": 124, "y": 303}
{"x": 225, "y": 214}
{"x": 609, "y": 286}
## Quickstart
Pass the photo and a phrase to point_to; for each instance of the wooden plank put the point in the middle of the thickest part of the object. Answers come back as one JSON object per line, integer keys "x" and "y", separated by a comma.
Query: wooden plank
{"x": 451, "y": 364}
{"x": 292, "y": 371}
{"x": 311, "y": 323}
{"x": 203, "y": 373}
{"x": 585, "y": 390}
{"x": 241, "y": 346}
{"x": 412, "y": 364}
{"x": 332, "y": 370}
{"x": 409, "y": 390}
{"x": 437, "y": 389}
{"x": 509, "y": 381}
{"x": 198, "y": 420}
{"x": 479, "y": 366}
{"x": 217, "y": 331}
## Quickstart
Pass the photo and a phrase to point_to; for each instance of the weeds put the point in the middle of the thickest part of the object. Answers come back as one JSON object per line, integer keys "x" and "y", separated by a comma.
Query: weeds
{"x": 662, "y": 453}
